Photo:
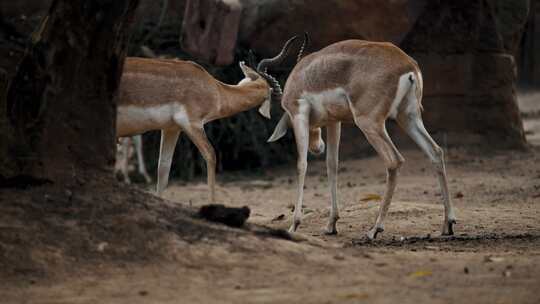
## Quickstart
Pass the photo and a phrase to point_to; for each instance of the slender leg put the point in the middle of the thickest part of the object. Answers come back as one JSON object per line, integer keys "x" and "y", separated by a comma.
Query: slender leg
{"x": 301, "y": 134}
{"x": 140, "y": 157}
{"x": 379, "y": 139}
{"x": 169, "y": 137}
{"x": 413, "y": 125}
{"x": 333, "y": 133}
{"x": 125, "y": 144}
{"x": 198, "y": 137}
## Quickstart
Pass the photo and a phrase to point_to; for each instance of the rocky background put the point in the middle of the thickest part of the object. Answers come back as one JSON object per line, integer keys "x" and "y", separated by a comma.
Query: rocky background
{"x": 469, "y": 51}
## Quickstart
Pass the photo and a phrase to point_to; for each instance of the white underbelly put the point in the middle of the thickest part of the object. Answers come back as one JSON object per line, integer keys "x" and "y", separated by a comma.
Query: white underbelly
{"x": 133, "y": 120}
{"x": 328, "y": 106}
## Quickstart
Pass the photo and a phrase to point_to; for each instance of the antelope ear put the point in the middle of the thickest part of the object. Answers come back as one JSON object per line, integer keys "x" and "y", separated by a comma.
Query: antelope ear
{"x": 248, "y": 72}
{"x": 265, "y": 107}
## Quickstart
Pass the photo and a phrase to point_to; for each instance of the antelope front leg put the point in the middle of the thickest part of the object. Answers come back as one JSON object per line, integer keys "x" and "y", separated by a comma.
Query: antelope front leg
{"x": 198, "y": 137}
{"x": 301, "y": 134}
{"x": 333, "y": 133}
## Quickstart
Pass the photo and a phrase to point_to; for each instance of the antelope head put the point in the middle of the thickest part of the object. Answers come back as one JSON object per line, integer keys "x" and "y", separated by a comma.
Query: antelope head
{"x": 260, "y": 73}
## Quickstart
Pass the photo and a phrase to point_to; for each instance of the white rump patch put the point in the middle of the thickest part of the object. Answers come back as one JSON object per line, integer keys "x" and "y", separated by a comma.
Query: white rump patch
{"x": 403, "y": 88}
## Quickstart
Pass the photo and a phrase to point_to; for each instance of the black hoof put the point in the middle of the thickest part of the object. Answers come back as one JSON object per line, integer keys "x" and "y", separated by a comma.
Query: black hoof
{"x": 379, "y": 230}
{"x": 330, "y": 232}
{"x": 450, "y": 224}
{"x": 294, "y": 226}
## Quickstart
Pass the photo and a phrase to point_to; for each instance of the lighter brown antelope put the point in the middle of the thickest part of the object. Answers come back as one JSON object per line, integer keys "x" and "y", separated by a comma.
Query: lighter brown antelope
{"x": 175, "y": 96}
{"x": 365, "y": 83}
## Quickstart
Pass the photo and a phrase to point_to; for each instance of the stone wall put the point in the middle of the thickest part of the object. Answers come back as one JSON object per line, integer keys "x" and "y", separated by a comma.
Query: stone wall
{"x": 529, "y": 53}
{"x": 466, "y": 51}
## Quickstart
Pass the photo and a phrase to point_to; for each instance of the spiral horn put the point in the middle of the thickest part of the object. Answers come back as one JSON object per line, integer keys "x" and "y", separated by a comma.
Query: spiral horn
{"x": 265, "y": 63}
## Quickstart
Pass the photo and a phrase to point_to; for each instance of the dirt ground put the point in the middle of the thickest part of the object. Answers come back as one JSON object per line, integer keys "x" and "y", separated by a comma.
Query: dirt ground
{"x": 159, "y": 254}
{"x": 494, "y": 257}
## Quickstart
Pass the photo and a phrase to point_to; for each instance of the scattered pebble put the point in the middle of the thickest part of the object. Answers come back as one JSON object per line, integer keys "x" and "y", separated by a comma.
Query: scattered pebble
{"x": 367, "y": 255}
{"x": 493, "y": 259}
{"x": 101, "y": 246}
{"x": 371, "y": 197}
{"x": 69, "y": 194}
{"x": 421, "y": 273}
{"x": 278, "y": 218}
{"x": 339, "y": 257}
{"x": 466, "y": 270}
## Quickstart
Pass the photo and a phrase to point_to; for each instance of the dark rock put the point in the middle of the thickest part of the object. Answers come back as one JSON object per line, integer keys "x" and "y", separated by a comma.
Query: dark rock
{"x": 266, "y": 22}
{"x": 234, "y": 217}
{"x": 471, "y": 94}
{"x": 462, "y": 26}
{"x": 278, "y": 218}
{"x": 210, "y": 29}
